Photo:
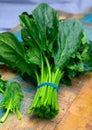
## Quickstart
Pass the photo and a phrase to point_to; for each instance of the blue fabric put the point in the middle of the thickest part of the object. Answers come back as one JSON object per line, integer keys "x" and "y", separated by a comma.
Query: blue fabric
{"x": 11, "y": 9}
{"x": 49, "y": 84}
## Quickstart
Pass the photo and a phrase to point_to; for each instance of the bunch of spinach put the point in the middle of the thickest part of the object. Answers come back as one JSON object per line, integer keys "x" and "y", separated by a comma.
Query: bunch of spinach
{"x": 52, "y": 50}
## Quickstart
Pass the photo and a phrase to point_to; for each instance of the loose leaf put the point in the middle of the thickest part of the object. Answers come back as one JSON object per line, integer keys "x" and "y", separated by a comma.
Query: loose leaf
{"x": 12, "y": 100}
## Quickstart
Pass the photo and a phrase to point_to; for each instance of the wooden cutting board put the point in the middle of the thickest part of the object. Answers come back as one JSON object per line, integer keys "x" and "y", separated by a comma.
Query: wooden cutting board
{"x": 75, "y": 104}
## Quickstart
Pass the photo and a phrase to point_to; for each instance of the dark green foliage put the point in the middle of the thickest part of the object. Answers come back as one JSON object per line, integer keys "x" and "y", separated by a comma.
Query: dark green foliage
{"x": 12, "y": 52}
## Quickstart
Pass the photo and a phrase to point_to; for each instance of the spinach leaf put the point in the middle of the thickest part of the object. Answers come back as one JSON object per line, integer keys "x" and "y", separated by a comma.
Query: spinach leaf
{"x": 69, "y": 40}
{"x": 41, "y": 27}
{"x": 13, "y": 53}
{"x": 46, "y": 20}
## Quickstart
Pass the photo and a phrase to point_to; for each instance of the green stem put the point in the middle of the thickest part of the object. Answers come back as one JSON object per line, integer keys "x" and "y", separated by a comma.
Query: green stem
{"x": 6, "y": 113}
{"x": 37, "y": 77}
{"x": 18, "y": 114}
{"x": 45, "y": 103}
{"x": 49, "y": 68}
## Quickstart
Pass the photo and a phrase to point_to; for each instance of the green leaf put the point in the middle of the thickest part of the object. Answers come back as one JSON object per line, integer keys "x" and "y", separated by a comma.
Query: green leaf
{"x": 41, "y": 27}
{"x": 46, "y": 20}
{"x": 30, "y": 32}
{"x": 12, "y": 52}
{"x": 69, "y": 40}
{"x": 34, "y": 56}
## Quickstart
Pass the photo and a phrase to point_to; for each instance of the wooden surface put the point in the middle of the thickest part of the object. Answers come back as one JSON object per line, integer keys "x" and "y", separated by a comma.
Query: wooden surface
{"x": 79, "y": 114}
{"x": 75, "y": 104}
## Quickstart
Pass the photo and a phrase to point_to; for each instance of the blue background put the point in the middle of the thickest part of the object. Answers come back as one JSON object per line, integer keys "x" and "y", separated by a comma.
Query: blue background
{"x": 10, "y": 9}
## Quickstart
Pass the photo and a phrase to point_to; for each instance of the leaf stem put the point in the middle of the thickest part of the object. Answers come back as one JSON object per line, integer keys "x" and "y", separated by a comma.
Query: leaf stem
{"x": 6, "y": 113}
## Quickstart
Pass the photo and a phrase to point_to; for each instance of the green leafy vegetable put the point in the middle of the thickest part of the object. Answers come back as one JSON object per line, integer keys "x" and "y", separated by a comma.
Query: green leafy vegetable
{"x": 52, "y": 50}
{"x": 12, "y": 98}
